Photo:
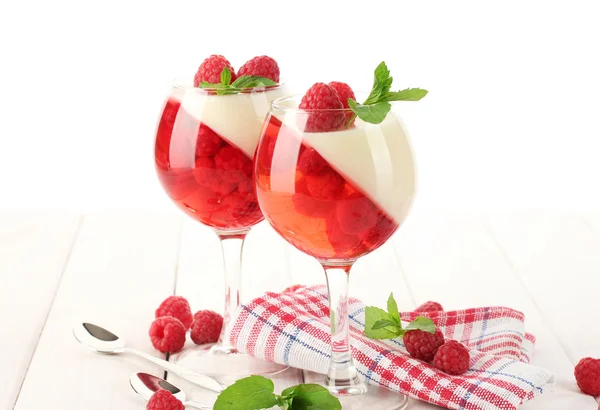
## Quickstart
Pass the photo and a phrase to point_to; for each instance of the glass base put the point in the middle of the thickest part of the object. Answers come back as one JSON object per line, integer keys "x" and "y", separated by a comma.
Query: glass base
{"x": 369, "y": 397}
{"x": 216, "y": 360}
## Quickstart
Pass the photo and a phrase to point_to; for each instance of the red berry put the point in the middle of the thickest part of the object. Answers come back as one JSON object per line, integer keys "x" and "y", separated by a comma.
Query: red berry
{"x": 310, "y": 162}
{"x": 321, "y": 101}
{"x": 208, "y": 142}
{"x": 380, "y": 233}
{"x": 206, "y": 327}
{"x": 327, "y": 184}
{"x": 356, "y": 214}
{"x": 452, "y": 357}
{"x": 167, "y": 334}
{"x": 262, "y": 66}
{"x": 341, "y": 242}
{"x": 164, "y": 400}
{"x": 177, "y": 307}
{"x": 292, "y": 289}
{"x": 306, "y": 204}
{"x": 429, "y": 307}
{"x": 587, "y": 374}
{"x": 344, "y": 91}
{"x": 423, "y": 345}
{"x": 211, "y": 68}
{"x": 232, "y": 164}
{"x": 206, "y": 175}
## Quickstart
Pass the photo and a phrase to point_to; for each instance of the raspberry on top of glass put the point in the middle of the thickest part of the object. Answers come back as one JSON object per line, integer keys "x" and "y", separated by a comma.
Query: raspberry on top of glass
{"x": 336, "y": 177}
{"x": 207, "y": 136}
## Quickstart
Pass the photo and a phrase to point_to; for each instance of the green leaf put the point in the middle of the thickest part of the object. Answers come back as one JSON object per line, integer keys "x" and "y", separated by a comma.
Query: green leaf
{"x": 251, "y": 81}
{"x": 392, "y": 308}
{"x": 385, "y": 323}
{"x": 381, "y": 85}
{"x": 409, "y": 94}
{"x": 374, "y": 113}
{"x": 226, "y": 76}
{"x": 250, "y": 393}
{"x": 205, "y": 84}
{"x": 374, "y": 315}
{"x": 422, "y": 323}
{"x": 311, "y": 397}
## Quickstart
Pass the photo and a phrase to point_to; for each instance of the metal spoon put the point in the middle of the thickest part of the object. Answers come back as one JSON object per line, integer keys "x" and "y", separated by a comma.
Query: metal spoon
{"x": 146, "y": 385}
{"x": 103, "y": 341}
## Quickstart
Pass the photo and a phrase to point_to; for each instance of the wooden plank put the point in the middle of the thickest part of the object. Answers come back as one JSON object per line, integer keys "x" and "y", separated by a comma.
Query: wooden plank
{"x": 557, "y": 257}
{"x": 453, "y": 259}
{"x": 34, "y": 248}
{"x": 121, "y": 267}
{"x": 200, "y": 279}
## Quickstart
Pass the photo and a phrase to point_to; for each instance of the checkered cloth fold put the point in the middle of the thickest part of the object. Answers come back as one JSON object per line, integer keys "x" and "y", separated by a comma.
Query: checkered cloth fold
{"x": 294, "y": 329}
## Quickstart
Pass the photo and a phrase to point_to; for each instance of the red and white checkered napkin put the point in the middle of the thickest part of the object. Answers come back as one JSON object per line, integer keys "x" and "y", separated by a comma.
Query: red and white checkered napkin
{"x": 293, "y": 329}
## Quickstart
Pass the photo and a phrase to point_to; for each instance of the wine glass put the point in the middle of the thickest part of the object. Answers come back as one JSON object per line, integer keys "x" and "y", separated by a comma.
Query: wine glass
{"x": 205, "y": 143}
{"x": 336, "y": 196}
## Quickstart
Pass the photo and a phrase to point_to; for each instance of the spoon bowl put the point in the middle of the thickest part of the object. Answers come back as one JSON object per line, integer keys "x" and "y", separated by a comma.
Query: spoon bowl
{"x": 146, "y": 385}
{"x": 98, "y": 339}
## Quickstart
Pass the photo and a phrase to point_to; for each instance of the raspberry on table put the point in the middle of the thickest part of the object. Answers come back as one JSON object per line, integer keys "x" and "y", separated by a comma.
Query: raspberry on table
{"x": 356, "y": 214}
{"x": 261, "y": 66}
{"x": 310, "y": 162}
{"x": 423, "y": 345}
{"x": 452, "y": 358}
{"x": 321, "y": 101}
{"x": 587, "y": 374}
{"x": 206, "y": 327}
{"x": 211, "y": 68}
{"x": 327, "y": 184}
{"x": 164, "y": 400}
{"x": 292, "y": 289}
{"x": 429, "y": 307}
{"x": 344, "y": 91}
{"x": 167, "y": 334}
{"x": 177, "y": 307}
{"x": 232, "y": 164}
{"x": 208, "y": 142}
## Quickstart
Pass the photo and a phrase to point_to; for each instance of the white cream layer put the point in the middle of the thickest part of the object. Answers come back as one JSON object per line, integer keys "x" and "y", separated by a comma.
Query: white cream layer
{"x": 237, "y": 118}
{"x": 376, "y": 158}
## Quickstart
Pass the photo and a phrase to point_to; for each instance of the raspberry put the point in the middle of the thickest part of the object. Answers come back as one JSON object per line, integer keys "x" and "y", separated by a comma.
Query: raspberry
{"x": 206, "y": 327}
{"x": 306, "y": 204}
{"x": 356, "y": 214}
{"x": 232, "y": 164}
{"x": 380, "y": 233}
{"x": 429, "y": 307}
{"x": 327, "y": 184}
{"x": 208, "y": 142}
{"x": 206, "y": 175}
{"x": 342, "y": 243}
{"x": 321, "y": 101}
{"x": 310, "y": 162}
{"x": 292, "y": 289}
{"x": 344, "y": 91}
{"x": 423, "y": 345}
{"x": 587, "y": 374}
{"x": 167, "y": 334}
{"x": 262, "y": 66}
{"x": 452, "y": 357}
{"x": 164, "y": 400}
{"x": 210, "y": 70}
{"x": 177, "y": 307}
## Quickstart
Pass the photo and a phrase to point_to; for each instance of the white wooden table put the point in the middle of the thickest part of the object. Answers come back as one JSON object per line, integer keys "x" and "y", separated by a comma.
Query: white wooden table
{"x": 114, "y": 269}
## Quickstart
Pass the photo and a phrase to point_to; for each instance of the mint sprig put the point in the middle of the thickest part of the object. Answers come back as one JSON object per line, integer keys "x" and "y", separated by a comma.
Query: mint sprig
{"x": 241, "y": 83}
{"x": 380, "y": 324}
{"x": 377, "y": 105}
{"x": 257, "y": 392}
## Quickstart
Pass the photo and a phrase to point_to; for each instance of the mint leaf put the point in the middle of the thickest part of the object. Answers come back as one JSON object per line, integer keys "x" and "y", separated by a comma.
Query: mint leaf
{"x": 381, "y": 84}
{"x": 311, "y": 397}
{"x": 392, "y": 308}
{"x": 408, "y": 94}
{"x": 422, "y": 323}
{"x": 250, "y": 393}
{"x": 205, "y": 84}
{"x": 374, "y": 315}
{"x": 374, "y": 113}
{"x": 226, "y": 76}
{"x": 383, "y": 324}
{"x": 251, "y": 81}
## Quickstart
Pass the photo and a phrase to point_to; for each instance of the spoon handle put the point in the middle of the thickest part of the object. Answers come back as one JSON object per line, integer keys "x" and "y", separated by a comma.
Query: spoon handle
{"x": 187, "y": 374}
{"x": 196, "y": 405}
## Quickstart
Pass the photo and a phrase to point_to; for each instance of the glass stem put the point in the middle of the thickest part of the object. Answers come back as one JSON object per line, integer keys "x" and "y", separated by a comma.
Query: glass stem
{"x": 342, "y": 376}
{"x": 232, "y": 246}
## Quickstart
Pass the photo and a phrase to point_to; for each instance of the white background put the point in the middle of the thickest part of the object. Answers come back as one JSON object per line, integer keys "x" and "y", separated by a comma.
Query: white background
{"x": 511, "y": 120}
